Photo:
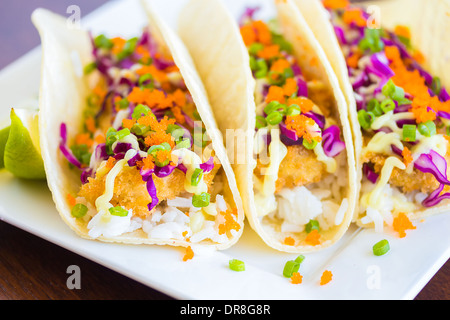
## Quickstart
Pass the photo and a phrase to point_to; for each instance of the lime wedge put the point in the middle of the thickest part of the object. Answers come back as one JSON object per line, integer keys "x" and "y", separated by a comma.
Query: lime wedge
{"x": 22, "y": 155}
{"x": 4, "y": 133}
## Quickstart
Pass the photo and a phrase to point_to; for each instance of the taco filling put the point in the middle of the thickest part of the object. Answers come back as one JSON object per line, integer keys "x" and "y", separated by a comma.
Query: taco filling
{"x": 300, "y": 173}
{"x": 143, "y": 154}
{"x": 404, "y": 116}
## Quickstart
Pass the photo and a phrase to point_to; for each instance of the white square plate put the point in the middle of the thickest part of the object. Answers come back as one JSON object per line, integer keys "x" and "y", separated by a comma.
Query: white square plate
{"x": 357, "y": 273}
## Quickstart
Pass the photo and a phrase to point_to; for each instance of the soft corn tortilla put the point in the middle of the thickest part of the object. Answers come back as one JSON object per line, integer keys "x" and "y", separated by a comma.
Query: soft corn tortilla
{"x": 63, "y": 94}
{"x": 212, "y": 36}
{"x": 428, "y": 22}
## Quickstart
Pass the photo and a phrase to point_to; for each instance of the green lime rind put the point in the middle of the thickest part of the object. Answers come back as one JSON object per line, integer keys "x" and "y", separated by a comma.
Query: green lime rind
{"x": 21, "y": 157}
{"x": 4, "y": 133}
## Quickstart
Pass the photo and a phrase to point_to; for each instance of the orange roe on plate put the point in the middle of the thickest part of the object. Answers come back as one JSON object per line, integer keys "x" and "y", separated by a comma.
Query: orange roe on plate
{"x": 296, "y": 278}
{"x": 326, "y": 277}
{"x": 230, "y": 222}
{"x": 289, "y": 241}
{"x": 402, "y": 223}
{"x": 407, "y": 157}
{"x": 313, "y": 238}
{"x": 189, "y": 254}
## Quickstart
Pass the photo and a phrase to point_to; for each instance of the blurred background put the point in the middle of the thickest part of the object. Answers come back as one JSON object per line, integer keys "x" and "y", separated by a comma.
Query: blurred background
{"x": 32, "y": 268}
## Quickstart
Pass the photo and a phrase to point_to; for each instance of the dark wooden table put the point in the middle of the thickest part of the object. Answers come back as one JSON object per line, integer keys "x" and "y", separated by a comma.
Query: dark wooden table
{"x": 32, "y": 268}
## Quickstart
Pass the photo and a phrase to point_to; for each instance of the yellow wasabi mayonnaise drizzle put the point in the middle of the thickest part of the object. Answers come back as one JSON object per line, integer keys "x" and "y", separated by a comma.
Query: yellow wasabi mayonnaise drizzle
{"x": 102, "y": 203}
{"x": 372, "y": 199}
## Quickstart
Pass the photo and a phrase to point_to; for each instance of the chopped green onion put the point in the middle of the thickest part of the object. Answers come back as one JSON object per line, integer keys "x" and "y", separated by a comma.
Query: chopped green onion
{"x": 90, "y": 67}
{"x": 293, "y": 110}
{"x": 371, "y": 40}
{"x": 255, "y": 48}
{"x": 196, "y": 115}
{"x": 372, "y": 104}
{"x": 276, "y": 78}
{"x": 123, "y": 133}
{"x": 290, "y": 267}
{"x": 271, "y": 106}
{"x": 185, "y": 143}
{"x": 158, "y": 147}
{"x": 123, "y": 103}
{"x": 140, "y": 129}
{"x": 144, "y": 78}
{"x": 236, "y": 265}
{"x": 387, "y": 105}
{"x": 112, "y": 135}
{"x": 196, "y": 177}
{"x": 388, "y": 89}
{"x": 309, "y": 145}
{"x": 312, "y": 225}
{"x": 365, "y": 118}
{"x": 201, "y": 200}
{"x": 260, "y": 122}
{"x": 436, "y": 85}
{"x": 200, "y": 139}
{"x": 427, "y": 129}
{"x": 281, "y": 42}
{"x": 274, "y": 118}
{"x": 79, "y": 210}
{"x": 409, "y": 132}
{"x": 118, "y": 211}
{"x": 128, "y": 48}
{"x": 253, "y": 65}
{"x": 300, "y": 258}
{"x": 394, "y": 92}
{"x": 140, "y": 110}
{"x": 81, "y": 152}
{"x": 101, "y": 41}
{"x": 380, "y": 248}
{"x": 262, "y": 68}
{"x": 288, "y": 73}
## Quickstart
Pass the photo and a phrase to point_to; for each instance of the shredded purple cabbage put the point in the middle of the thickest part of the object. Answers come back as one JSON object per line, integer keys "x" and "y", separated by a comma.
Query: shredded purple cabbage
{"x": 151, "y": 189}
{"x": 208, "y": 165}
{"x": 332, "y": 143}
{"x": 64, "y": 149}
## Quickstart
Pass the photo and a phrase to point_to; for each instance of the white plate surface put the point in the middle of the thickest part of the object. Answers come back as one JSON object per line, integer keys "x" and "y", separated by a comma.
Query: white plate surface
{"x": 357, "y": 273}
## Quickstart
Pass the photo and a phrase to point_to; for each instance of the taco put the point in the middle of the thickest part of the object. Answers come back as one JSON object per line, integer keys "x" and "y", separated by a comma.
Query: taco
{"x": 129, "y": 143}
{"x": 278, "y": 102}
{"x": 399, "y": 111}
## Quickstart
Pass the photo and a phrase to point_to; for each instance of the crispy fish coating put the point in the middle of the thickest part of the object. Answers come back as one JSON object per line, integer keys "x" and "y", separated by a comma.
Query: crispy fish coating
{"x": 300, "y": 167}
{"x": 416, "y": 180}
{"x": 130, "y": 190}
